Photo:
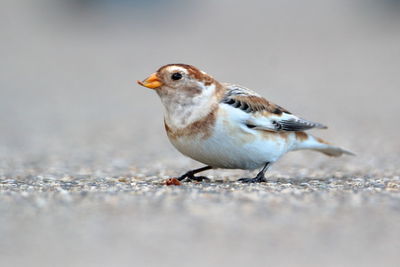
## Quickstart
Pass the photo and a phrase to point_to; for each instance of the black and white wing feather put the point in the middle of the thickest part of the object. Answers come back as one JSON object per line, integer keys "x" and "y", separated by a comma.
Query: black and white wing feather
{"x": 263, "y": 114}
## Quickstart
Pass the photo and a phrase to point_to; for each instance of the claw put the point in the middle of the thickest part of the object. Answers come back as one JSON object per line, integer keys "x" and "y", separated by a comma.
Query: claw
{"x": 196, "y": 179}
{"x": 200, "y": 178}
{"x": 253, "y": 180}
{"x": 189, "y": 176}
{"x": 260, "y": 178}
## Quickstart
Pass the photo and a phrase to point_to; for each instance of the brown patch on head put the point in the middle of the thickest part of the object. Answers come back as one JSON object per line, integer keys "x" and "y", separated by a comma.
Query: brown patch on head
{"x": 301, "y": 136}
{"x": 202, "y": 127}
{"x": 193, "y": 72}
{"x": 192, "y": 91}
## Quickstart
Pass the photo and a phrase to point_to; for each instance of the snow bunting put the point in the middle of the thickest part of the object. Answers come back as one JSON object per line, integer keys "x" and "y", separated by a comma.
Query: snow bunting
{"x": 228, "y": 126}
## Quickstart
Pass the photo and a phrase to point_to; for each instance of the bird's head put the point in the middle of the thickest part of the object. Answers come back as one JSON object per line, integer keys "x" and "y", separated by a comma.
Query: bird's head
{"x": 181, "y": 84}
{"x": 186, "y": 92}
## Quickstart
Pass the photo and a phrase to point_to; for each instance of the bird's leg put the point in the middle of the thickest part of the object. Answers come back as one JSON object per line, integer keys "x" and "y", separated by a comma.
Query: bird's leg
{"x": 190, "y": 175}
{"x": 260, "y": 177}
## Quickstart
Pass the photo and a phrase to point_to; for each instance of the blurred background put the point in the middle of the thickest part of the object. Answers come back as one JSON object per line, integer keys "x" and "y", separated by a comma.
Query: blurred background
{"x": 70, "y": 106}
{"x": 68, "y": 72}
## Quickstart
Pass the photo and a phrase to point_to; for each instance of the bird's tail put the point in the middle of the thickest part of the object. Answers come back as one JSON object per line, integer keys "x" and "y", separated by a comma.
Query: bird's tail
{"x": 308, "y": 141}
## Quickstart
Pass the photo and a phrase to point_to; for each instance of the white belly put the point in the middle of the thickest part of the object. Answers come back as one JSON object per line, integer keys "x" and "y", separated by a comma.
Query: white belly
{"x": 235, "y": 146}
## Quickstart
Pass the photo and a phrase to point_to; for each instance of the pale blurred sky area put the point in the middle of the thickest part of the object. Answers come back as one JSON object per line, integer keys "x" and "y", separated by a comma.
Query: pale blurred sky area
{"x": 68, "y": 68}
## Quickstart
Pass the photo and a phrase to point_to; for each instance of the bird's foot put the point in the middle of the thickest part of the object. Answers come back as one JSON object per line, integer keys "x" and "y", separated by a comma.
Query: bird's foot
{"x": 199, "y": 179}
{"x": 257, "y": 179}
{"x": 189, "y": 176}
{"x": 192, "y": 178}
{"x": 260, "y": 177}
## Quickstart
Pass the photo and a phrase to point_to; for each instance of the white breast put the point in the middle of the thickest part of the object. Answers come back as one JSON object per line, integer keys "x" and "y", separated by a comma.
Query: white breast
{"x": 233, "y": 145}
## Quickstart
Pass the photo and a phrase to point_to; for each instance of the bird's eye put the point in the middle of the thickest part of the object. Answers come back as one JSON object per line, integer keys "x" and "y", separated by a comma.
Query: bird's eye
{"x": 176, "y": 76}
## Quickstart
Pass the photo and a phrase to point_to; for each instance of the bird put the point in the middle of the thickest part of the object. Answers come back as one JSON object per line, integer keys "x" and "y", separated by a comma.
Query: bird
{"x": 224, "y": 125}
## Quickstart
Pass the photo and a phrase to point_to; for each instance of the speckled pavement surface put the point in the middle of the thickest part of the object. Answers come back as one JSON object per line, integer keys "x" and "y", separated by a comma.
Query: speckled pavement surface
{"x": 90, "y": 220}
{"x": 83, "y": 154}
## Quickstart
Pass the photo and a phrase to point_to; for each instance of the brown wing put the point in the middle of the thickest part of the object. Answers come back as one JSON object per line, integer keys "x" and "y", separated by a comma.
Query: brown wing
{"x": 254, "y": 104}
{"x": 249, "y": 101}
{"x": 265, "y": 114}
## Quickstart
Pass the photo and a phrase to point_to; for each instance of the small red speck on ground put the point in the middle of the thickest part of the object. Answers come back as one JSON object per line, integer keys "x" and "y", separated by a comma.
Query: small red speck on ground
{"x": 172, "y": 181}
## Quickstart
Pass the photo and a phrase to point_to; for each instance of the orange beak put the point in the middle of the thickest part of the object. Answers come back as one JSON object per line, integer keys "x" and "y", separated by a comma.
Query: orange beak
{"x": 151, "y": 82}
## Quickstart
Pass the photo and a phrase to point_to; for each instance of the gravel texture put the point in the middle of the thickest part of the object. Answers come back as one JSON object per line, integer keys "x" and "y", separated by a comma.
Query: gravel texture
{"x": 108, "y": 221}
{"x": 84, "y": 157}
